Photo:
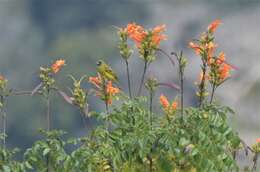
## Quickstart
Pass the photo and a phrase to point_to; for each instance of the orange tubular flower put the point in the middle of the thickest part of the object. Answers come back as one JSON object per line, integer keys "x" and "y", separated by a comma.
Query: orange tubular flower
{"x": 2, "y": 78}
{"x": 210, "y": 48}
{"x": 221, "y": 58}
{"x": 224, "y": 71}
{"x": 111, "y": 90}
{"x": 157, "y": 37}
{"x": 95, "y": 81}
{"x": 164, "y": 101}
{"x": 195, "y": 47}
{"x": 213, "y": 26}
{"x": 57, "y": 65}
{"x": 258, "y": 140}
{"x": 136, "y": 32}
{"x": 174, "y": 105}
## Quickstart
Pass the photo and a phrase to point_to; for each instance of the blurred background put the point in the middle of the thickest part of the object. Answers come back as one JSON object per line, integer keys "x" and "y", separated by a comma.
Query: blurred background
{"x": 35, "y": 33}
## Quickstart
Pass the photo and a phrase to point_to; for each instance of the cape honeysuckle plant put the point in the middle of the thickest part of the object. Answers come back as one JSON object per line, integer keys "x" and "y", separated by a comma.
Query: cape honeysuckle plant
{"x": 132, "y": 136}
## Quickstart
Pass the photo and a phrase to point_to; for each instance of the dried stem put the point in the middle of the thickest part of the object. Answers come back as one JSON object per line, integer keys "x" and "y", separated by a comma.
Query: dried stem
{"x": 18, "y": 93}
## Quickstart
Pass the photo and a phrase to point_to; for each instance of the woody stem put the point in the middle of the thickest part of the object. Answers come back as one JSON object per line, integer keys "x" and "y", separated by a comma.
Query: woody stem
{"x": 142, "y": 80}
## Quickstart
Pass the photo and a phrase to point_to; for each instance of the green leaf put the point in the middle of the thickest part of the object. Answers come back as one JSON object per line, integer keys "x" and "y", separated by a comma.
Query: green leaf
{"x": 46, "y": 151}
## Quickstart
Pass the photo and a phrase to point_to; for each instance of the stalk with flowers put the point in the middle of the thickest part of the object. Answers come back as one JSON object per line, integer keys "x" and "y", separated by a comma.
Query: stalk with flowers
{"x": 105, "y": 91}
{"x": 147, "y": 42}
{"x": 47, "y": 85}
{"x": 219, "y": 69}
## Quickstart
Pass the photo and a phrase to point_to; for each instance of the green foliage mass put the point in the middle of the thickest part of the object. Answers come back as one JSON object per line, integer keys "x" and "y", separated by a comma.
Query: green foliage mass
{"x": 199, "y": 140}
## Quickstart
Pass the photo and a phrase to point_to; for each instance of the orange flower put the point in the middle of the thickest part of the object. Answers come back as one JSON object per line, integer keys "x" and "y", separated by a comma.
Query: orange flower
{"x": 258, "y": 140}
{"x": 2, "y": 78}
{"x": 136, "y": 32}
{"x": 164, "y": 101}
{"x": 95, "y": 81}
{"x": 57, "y": 65}
{"x": 110, "y": 89}
{"x": 174, "y": 104}
{"x": 213, "y": 26}
{"x": 210, "y": 48}
{"x": 224, "y": 71}
{"x": 221, "y": 58}
{"x": 195, "y": 47}
{"x": 157, "y": 37}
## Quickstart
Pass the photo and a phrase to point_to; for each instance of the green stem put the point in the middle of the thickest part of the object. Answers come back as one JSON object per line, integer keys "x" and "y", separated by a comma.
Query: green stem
{"x": 151, "y": 109}
{"x": 48, "y": 114}
{"x": 202, "y": 84}
{"x": 128, "y": 79}
{"x": 254, "y": 162}
{"x": 212, "y": 93}
{"x": 142, "y": 80}
{"x": 182, "y": 90}
{"x": 3, "y": 121}
{"x": 107, "y": 118}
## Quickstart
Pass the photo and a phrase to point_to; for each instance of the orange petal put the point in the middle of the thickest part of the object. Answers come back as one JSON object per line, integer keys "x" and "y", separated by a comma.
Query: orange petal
{"x": 213, "y": 26}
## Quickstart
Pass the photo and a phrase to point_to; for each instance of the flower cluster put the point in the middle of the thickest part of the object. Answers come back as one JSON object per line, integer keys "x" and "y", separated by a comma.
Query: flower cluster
{"x": 168, "y": 108}
{"x": 256, "y": 146}
{"x": 57, "y": 65}
{"x": 46, "y": 73}
{"x": 79, "y": 95}
{"x": 104, "y": 88}
{"x": 3, "y": 83}
{"x": 214, "y": 68}
{"x": 3, "y": 89}
{"x": 219, "y": 70}
{"x": 147, "y": 41}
